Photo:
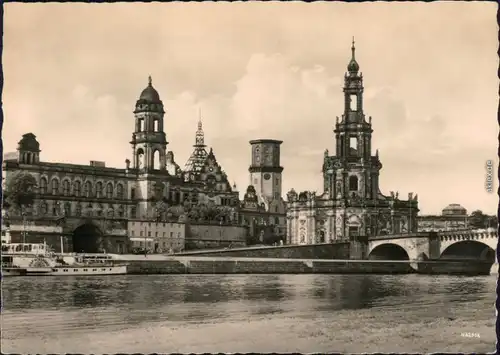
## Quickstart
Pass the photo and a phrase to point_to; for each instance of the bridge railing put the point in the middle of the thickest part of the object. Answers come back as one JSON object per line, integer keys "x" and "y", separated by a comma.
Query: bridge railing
{"x": 402, "y": 236}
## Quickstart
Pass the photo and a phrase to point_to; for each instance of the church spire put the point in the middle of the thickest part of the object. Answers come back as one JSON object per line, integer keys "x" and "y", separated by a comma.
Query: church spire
{"x": 200, "y": 135}
{"x": 353, "y": 66}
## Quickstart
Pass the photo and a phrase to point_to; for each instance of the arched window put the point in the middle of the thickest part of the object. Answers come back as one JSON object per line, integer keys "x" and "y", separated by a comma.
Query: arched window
{"x": 156, "y": 160}
{"x": 43, "y": 209}
{"x": 156, "y": 125}
{"x": 139, "y": 163}
{"x": 89, "y": 210}
{"x": 87, "y": 189}
{"x": 77, "y": 187}
{"x": 78, "y": 210}
{"x": 353, "y": 183}
{"x": 120, "y": 211}
{"x": 119, "y": 191}
{"x": 66, "y": 187}
{"x": 98, "y": 190}
{"x": 67, "y": 209}
{"x": 133, "y": 212}
{"x": 55, "y": 209}
{"x": 109, "y": 190}
{"x": 99, "y": 210}
{"x": 55, "y": 186}
{"x": 43, "y": 185}
{"x": 276, "y": 220}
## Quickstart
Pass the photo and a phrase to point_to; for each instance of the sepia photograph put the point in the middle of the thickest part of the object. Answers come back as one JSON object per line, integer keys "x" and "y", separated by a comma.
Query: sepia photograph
{"x": 249, "y": 177}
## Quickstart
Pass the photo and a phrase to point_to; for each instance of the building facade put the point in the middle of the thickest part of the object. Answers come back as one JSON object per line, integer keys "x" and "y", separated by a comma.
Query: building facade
{"x": 351, "y": 205}
{"x": 453, "y": 217}
{"x": 93, "y": 203}
{"x": 156, "y": 236}
{"x": 263, "y": 208}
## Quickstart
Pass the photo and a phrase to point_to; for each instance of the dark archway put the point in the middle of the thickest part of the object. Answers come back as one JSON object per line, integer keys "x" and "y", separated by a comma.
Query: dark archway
{"x": 469, "y": 249}
{"x": 86, "y": 239}
{"x": 388, "y": 252}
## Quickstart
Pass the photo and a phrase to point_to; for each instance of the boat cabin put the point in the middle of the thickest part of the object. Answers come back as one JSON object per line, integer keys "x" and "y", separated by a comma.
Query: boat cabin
{"x": 24, "y": 248}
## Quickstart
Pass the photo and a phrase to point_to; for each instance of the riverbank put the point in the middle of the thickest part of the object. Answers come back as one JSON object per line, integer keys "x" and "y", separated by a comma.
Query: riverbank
{"x": 159, "y": 264}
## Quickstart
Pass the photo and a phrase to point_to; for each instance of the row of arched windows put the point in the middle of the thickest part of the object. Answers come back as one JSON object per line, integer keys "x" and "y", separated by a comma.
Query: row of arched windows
{"x": 75, "y": 189}
{"x": 81, "y": 210}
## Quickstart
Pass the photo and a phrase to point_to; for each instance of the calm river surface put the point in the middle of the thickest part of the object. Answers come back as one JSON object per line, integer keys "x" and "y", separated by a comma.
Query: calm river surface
{"x": 248, "y": 313}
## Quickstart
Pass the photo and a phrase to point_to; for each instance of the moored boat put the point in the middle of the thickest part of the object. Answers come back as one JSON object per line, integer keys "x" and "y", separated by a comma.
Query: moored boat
{"x": 34, "y": 259}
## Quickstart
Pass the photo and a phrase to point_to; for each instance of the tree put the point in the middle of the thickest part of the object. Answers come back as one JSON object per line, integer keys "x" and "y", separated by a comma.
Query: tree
{"x": 20, "y": 191}
{"x": 479, "y": 220}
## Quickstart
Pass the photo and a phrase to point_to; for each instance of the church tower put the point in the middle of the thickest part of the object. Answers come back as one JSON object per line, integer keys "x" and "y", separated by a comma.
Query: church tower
{"x": 28, "y": 149}
{"x": 149, "y": 143}
{"x": 196, "y": 161}
{"x": 357, "y": 174}
{"x": 265, "y": 170}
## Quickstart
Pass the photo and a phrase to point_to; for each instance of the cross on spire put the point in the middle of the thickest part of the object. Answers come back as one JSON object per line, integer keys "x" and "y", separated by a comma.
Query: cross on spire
{"x": 150, "y": 81}
{"x": 353, "y": 48}
{"x": 200, "y": 126}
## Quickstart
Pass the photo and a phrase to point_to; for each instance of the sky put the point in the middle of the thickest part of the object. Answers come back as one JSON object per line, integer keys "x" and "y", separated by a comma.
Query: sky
{"x": 73, "y": 73}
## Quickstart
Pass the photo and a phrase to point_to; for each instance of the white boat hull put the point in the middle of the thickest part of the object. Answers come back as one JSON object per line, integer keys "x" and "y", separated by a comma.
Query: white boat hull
{"x": 66, "y": 271}
{"x": 12, "y": 271}
{"x": 89, "y": 270}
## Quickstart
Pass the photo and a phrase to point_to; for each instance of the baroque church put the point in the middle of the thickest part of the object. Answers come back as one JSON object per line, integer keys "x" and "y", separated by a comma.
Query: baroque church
{"x": 351, "y": 207}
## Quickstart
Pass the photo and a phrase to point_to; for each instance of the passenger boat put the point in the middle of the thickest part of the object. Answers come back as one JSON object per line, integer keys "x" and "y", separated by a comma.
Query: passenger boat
{"x": 35, "y": 259}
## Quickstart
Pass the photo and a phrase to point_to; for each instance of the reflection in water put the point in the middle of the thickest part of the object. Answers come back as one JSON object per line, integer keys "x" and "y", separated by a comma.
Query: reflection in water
{"x": 339, "y": 291}
{"x": 47, "y": 306}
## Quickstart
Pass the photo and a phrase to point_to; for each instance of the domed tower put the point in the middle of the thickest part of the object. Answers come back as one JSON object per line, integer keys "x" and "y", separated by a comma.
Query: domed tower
{"x": 149, "y": 142}
{"x": 28, "y": 149}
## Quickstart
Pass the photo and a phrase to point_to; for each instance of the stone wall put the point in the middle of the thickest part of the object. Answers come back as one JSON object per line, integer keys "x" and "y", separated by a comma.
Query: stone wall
{"x": 212, "y": 265}
{"x": 339, "y": 250}
{"x": 206, "y": 236}
{"x": 454, "y": 267}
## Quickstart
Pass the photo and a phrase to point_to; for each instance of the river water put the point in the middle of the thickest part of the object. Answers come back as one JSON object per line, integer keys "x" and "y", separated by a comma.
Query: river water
{"x": 248, "y": 313}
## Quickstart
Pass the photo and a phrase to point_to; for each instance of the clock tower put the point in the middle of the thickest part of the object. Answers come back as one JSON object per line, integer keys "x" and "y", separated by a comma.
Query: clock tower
{"x": 265, "y": 170}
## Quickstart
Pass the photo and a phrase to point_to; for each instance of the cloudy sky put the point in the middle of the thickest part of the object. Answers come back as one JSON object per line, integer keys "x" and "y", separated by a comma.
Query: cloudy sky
{"x": 264, "y": 70}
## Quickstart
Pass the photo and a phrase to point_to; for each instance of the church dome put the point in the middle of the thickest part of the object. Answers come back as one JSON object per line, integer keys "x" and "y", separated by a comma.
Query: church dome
{"x": 454, "y": 209}
{"x": 149, "y": 93}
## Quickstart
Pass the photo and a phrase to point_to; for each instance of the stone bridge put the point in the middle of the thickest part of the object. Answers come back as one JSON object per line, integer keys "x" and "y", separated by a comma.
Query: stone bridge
{"x": 460, "y": 244}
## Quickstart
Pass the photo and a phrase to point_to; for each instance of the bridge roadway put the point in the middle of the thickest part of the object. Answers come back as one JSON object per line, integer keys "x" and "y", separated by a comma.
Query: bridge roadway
{"x": 460, "y": 244}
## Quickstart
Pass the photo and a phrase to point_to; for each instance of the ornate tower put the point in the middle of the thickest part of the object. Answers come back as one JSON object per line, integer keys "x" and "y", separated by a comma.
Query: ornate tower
{"x": 356, "y": 173}
{"x": 265, "y": 171}
{"x": 199, "y": 155}
{"x": 149, "y": 143}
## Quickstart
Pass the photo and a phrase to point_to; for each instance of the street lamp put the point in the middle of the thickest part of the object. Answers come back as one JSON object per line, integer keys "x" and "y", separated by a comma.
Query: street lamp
{"x": 410, "y": 217}
{"x": 145, "y": 239}
{"x": 23, "y": 213}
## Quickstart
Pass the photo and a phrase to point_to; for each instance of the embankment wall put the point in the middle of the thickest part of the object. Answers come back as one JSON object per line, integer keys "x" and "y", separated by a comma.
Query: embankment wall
{"x": 211, "y": 265}
{"x": 338, "y": 251}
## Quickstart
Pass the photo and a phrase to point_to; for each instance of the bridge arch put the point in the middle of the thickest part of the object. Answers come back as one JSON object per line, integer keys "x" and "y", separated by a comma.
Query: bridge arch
{"x": 86, "y": 238}
{"x": 469, "y": 249}
{"x": 388, "y": 251}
